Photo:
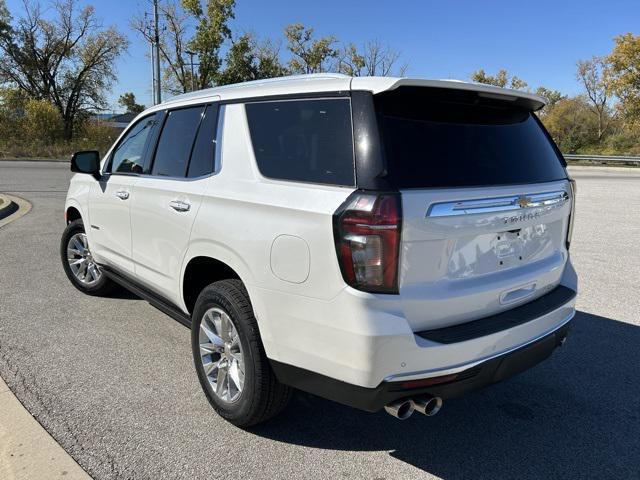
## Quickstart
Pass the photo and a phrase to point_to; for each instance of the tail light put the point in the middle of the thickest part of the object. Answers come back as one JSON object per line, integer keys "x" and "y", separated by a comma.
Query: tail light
{"x": 572, "y": 214}
{"x": 367, "y": 228}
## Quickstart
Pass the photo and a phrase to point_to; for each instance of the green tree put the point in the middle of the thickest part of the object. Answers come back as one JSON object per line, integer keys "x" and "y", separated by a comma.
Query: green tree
{"x": 211, "y": 32}
{"x": 67, "y": 60}
{"x": 571, "y": 124}
{"x": 309, "y": 55}
{"x": 128, "y": 102}
{"x": 552, "y": 96}
{"x": 12, "y": 102}
{"x": 624, "y": 69}
{"x": 268, "y": 56}
{"x": 247, "y": 60}
{"x": 173, "y": 44}
{"x": 595, "y": 79}
{"x": 501, "y": 79}
{"x": 12, "y": 110}
{"x": 5, "y": 19}
{"x": 210, "y": 19}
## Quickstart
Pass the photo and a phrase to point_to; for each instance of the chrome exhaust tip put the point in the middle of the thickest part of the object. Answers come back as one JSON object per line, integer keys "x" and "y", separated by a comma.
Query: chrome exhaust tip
{"x": 401, "y": 409}
{"x": 426, "y": 405}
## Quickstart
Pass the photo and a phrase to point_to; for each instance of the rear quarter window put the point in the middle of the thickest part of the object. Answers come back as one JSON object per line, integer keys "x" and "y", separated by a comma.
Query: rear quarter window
{"x": 303, "y": 140}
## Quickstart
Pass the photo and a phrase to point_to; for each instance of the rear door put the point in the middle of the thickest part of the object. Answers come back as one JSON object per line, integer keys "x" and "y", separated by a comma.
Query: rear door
{"x": 166, "y": 201}
{"x": 485, "y": 203}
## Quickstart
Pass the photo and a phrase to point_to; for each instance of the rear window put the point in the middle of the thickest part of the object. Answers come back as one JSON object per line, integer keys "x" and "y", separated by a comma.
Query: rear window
{"x": 303, "y": 140}
{"x": 458, "y": 139}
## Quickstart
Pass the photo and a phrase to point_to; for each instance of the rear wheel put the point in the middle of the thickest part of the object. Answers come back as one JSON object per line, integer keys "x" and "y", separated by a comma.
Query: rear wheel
{"x": 77, "y": 261}
{"x": 232, "y": 366}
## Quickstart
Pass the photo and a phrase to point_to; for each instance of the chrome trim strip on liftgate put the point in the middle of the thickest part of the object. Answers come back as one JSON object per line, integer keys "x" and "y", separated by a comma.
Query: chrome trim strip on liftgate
{"x": 499, "y": 204}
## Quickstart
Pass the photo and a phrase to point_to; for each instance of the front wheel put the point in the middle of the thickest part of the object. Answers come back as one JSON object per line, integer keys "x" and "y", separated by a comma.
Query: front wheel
{"x": 231, "y": 364}
{"x": 78, "y": 262}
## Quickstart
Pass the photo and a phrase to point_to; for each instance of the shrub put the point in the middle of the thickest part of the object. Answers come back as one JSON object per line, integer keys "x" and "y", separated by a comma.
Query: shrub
{"x": 41, "y": 122}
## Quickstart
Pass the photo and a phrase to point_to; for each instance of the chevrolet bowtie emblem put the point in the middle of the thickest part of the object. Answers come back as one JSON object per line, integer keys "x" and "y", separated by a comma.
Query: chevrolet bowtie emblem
{"x": 524, "y": 202}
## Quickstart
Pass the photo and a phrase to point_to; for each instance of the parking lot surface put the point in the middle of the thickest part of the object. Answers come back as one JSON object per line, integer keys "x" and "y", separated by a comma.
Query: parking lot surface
{"x": 112, "y": 380}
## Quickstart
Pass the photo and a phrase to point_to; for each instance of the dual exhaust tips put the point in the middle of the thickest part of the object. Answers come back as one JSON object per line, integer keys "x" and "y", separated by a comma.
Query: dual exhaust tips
{"x": 405, "y": 407}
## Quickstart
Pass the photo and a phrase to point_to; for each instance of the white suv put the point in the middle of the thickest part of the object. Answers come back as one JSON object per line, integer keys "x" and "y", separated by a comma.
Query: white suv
{"x": 382, "y": 242}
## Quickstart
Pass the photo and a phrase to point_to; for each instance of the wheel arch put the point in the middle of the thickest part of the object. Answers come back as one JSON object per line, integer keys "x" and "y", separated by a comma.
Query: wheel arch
{"x": 226, "y": 260}
{"x": 225, "y": 263}
{"x": 201, "y": 271}
{"x": 73, "y": 210}
{"x": 72, "y": 214}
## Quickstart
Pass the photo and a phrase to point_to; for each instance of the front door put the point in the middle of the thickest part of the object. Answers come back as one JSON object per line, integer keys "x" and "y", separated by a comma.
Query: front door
{"x": 110, "y": 198}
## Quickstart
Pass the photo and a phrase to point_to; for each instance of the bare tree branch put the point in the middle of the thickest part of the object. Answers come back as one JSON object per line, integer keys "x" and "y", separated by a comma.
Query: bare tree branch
{"x": 594, "y": 76}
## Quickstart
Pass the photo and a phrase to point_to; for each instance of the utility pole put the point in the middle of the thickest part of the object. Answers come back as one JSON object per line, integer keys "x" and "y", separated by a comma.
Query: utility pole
{"x": 153, "y": 74}
{"x": 156, "y": 46}
{"x": 193, "y": 78}
{"x": 148, "y": 34}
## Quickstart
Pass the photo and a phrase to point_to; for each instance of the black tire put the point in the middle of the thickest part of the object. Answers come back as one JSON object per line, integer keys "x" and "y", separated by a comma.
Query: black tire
{"x": 262, "y": 396}
{"x": 103, "y": 286}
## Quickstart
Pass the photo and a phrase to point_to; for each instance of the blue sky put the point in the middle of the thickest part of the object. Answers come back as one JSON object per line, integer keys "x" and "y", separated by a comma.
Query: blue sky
{"x": 538, "y": 41}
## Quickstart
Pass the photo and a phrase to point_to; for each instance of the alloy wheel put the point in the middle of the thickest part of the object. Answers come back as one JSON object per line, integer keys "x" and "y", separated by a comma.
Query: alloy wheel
{"x": 81, "y": 263}
{"x": 221, "y": 355}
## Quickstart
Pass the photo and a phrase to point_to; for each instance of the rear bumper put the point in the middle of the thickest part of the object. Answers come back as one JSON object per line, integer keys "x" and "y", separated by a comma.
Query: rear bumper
{"x": 364, "y": 340}
{"x": 479, "y": 375}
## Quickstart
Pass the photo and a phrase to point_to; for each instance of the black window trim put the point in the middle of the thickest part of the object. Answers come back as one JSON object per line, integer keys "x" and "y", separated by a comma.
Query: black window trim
{"x": 561, "y": 158}
{"x": 156, "y": 140}
{"x": 217, "y": 107}
{"x": 302, "y": 97}
{"x": 152, "y": 158}
{"x": 287, "y": 96}
{"x": 108, "y": 163}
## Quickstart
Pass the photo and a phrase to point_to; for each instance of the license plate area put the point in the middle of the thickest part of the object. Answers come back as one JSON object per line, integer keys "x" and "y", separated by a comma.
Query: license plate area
{"x": 508, "y": 248}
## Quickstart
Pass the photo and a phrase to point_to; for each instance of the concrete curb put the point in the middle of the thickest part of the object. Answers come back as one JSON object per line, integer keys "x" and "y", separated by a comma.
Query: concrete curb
{"x": 7, "y": 207}
{"x": 19, "y": 206}
{"x": 27, "y": 451}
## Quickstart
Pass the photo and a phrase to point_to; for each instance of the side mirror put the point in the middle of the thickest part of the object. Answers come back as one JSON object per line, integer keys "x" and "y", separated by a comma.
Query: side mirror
{"x": 87, "y": 161}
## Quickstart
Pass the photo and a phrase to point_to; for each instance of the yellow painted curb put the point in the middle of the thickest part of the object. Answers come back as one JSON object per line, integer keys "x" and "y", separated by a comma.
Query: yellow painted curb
{"x": 24, "y": 207}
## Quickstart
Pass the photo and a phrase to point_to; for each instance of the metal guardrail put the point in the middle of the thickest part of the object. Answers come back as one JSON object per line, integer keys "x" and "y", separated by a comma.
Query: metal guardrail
{"x": 604, "y": 159}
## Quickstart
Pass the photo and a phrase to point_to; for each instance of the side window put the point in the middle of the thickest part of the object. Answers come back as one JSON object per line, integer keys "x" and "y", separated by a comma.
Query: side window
{"x": 204, "y": 151}
{"x": 176, "y": 140}
{"x": 128, "y": 156}
{"x": 303, "y": 140}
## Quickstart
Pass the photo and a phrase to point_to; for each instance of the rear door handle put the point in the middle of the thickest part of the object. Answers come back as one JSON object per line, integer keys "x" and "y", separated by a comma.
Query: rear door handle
{"x": 122, "y": 194}
{"x": 179, "y": 206}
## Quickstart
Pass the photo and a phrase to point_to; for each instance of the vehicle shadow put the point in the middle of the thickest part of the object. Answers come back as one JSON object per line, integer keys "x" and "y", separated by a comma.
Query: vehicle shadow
{"x": 122, "y": 293}
{"x": 576, "y": 415}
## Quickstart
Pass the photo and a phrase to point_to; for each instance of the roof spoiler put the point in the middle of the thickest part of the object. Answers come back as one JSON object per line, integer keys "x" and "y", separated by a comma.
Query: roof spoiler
{"x": 526, "y": 99}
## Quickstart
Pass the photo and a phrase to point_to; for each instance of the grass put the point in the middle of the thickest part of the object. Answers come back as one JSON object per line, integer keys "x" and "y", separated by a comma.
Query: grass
{"x": 93, "y": 136}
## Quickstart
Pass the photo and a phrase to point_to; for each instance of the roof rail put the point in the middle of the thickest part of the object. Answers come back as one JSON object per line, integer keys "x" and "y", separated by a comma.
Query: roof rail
{"x": 252, "y": 83}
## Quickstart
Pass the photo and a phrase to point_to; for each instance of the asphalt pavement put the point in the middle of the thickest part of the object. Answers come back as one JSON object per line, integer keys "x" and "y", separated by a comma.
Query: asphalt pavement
{"x": 111, "y": 379}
